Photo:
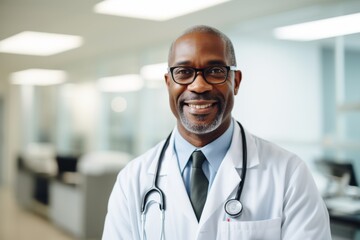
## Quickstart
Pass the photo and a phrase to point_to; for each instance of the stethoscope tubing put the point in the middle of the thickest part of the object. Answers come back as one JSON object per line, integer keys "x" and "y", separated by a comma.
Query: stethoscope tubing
{"x": 154, "y": 187}
{"x": 244, "y": 165}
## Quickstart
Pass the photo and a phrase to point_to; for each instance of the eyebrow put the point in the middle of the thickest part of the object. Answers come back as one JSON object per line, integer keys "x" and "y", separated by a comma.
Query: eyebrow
{"x": 210, "y": 63}
{"x": 182, "y": 63}
{"x": 216, "y": 62}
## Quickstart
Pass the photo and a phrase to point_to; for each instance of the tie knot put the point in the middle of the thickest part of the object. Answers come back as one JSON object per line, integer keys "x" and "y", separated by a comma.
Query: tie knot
{"x": 197, "y": 159}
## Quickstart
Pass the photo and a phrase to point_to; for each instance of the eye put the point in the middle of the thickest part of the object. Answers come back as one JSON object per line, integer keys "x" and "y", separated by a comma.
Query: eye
{"x": 216, "y": 71}
{"x": 183, "y": 71}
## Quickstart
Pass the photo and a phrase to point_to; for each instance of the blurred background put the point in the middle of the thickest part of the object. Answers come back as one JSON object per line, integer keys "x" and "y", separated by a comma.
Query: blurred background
{"x": 82, "y": 92}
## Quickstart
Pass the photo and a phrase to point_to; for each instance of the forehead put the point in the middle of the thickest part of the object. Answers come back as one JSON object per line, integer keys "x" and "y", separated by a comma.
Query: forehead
{"x": 198, "y": 49}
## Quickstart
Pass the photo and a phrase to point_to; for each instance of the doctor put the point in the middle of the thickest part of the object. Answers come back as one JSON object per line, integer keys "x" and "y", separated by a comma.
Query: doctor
{"x": 207, "y": 159}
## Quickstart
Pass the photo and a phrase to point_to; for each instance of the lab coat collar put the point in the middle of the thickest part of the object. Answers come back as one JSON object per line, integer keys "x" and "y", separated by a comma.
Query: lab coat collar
{"x": 236, "y": 151}
{"x": 169, "y": 153}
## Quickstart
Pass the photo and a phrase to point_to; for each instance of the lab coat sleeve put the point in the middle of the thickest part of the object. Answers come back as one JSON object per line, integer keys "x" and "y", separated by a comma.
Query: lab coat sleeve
{"x": 117, "y": 222}
{"x": 305, "y": 216}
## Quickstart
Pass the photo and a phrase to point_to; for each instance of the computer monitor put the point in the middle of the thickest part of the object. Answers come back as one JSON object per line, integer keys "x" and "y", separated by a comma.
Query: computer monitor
{"x": 66, "y": 163}
{"x": 338, "y": 169}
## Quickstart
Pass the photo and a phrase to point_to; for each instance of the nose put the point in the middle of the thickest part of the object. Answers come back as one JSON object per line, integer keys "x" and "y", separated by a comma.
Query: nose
{"x": 199, "y": 85}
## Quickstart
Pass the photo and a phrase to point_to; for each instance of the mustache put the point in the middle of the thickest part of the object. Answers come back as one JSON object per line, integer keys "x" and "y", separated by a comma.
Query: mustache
{"x": 197, "y": 96}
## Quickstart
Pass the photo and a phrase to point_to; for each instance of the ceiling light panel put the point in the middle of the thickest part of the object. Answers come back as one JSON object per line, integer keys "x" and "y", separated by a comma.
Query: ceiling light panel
{"x": 121, "y": 83}
{"x": 154, "y": 72}
{"x": 315, "y": 30}
{"x": 40, "y": 77}
{"x": 158, "y": 10}
{"x": 39, "y": 43}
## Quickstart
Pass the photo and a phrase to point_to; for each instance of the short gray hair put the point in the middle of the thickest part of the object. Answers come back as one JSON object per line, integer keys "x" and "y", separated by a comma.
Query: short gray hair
{"x": 229, "y": 48}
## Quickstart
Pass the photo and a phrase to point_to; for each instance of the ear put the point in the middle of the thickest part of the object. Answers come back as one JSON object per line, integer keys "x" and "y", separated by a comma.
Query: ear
{"x": 167, "y": 79}
{"x": 237, "y": 81}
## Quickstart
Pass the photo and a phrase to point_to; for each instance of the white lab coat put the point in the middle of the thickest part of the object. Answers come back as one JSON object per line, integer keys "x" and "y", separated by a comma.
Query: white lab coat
{"x": 279, "y": 197}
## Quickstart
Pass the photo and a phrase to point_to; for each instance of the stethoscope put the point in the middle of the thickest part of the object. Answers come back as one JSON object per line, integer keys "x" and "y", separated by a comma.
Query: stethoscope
{"x": 233, "y": 207}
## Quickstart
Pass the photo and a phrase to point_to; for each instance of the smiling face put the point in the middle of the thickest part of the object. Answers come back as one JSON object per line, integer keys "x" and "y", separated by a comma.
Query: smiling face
{"x": 203, "y": 110}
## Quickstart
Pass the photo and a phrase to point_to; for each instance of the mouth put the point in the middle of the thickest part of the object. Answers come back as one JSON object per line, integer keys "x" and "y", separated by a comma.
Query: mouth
{"x": 200, "y": 107}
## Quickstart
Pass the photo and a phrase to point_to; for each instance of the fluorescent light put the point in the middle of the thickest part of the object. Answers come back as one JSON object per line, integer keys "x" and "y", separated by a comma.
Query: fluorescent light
{"x": 42, "y": 77}
{"x": 154, "y": 72}
{"x": 325, "y": 28}
{"x": 121, "y": 83}
{"x": 39, "y": 43}
{"x": 158, "y": 10}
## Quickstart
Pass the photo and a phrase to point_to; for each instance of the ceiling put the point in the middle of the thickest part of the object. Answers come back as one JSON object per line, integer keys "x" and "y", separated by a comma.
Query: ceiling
{"x": 104, "y": 34}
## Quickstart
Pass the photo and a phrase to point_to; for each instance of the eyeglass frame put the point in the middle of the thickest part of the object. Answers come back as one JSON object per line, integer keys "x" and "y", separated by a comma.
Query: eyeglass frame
{"x": 228, "y": 68}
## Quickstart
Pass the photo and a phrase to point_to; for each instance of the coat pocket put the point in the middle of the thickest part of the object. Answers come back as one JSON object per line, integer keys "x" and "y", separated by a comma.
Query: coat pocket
{"x": 269, "y": 229}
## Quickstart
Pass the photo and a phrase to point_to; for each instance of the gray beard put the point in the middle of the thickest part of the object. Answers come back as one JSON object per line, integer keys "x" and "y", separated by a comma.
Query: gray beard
{"x": 201, "y": 128}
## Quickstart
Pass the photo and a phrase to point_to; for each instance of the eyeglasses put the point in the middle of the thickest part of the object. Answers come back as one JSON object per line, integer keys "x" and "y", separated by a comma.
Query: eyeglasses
{"x": 212, "y": 75}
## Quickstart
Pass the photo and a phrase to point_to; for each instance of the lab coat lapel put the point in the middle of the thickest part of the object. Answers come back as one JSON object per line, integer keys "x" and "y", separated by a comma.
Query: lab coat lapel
{"x": 178, "y": 198}
{"x": 226, "y": 181}
{"x": 170, "y": 181}
{"x": 228, "y": 177}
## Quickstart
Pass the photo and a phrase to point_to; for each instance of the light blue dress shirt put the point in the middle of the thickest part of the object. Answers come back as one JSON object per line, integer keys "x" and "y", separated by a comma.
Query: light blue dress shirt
{"x": 214, "y": 153}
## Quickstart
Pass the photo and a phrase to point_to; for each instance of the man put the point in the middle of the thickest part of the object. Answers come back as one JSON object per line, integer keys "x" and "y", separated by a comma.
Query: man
{"x": 279, "y": 197}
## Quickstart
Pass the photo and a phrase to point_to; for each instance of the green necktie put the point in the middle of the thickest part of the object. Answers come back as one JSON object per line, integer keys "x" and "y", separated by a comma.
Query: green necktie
{"x": 198, "y": 183}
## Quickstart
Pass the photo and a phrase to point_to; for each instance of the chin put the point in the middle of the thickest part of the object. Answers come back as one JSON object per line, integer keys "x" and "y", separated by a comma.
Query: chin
{"x": 200, "y": 128}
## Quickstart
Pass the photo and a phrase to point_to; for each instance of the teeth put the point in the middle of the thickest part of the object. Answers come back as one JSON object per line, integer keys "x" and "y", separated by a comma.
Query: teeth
{"x": 199, "y": 106}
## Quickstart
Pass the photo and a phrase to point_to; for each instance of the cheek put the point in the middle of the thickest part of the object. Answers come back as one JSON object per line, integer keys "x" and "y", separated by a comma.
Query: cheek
{"x": 227, "y": 93}
{"x": 174, "y": 91}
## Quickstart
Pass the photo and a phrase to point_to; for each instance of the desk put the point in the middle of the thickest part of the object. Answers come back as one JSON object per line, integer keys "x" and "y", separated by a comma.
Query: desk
{"x": 345, "y": 226}
{"x": 73, "y": 201}
{"x": 348, "y": 220}
{"x": 81, "y": 208}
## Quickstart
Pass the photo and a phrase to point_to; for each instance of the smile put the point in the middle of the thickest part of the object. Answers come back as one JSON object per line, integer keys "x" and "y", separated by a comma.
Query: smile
{"x": 200, "y": 106}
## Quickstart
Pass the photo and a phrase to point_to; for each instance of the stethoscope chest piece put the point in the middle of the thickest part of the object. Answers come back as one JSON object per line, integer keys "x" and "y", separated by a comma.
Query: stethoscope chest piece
{"x": 233, "y": 208}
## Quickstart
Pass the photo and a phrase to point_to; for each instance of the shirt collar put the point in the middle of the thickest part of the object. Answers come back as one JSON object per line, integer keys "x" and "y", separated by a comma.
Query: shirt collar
{"x": 214, "y": 151}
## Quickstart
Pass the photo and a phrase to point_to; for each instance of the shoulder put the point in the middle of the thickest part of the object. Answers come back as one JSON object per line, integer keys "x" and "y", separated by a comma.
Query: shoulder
{"x": 287, "y": 166}
{"x": 272, "y": 155}
{"x": 142, "y": 163}
{"x": 269, "y": 148}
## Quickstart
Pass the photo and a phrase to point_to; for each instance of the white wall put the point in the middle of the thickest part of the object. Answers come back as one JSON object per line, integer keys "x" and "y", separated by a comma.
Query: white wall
{"x": 76, "y": 118}
{"x": 13, "y": 129}
{"x": 280, "y": 94}
{"x": 2, "y": 133}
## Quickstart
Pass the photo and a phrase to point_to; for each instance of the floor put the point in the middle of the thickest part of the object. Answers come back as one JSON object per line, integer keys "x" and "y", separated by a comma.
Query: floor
{"x": 18, "y": 224}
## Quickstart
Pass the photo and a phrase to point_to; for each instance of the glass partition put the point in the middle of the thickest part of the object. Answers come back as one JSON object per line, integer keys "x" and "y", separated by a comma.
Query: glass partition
{"x": 341, "y": 99}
